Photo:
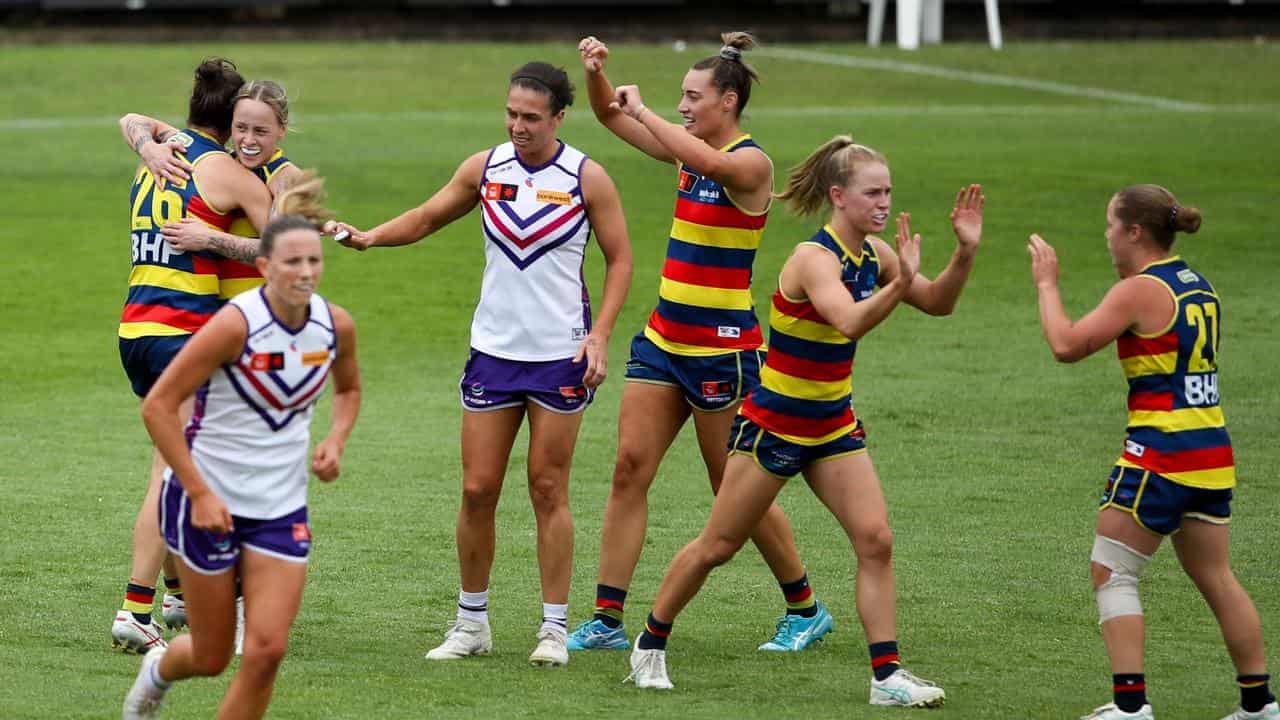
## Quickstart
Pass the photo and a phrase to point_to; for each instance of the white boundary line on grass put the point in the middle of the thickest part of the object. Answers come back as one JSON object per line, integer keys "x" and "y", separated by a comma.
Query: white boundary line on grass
{"x": 305, "y": 119}
{"x": 981, "y": 78}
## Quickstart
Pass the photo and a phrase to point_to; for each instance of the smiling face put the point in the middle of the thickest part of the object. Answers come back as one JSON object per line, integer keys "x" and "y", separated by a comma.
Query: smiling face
{"x": 294, "y": 267}
{"x": 704, "y": 109}
{"x": 864, "y": 200}
{"x": 530, "y": 122}
{"x": 256, "y": 132}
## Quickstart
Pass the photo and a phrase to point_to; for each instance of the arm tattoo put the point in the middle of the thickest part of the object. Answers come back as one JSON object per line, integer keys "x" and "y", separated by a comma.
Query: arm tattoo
{"x": 236, "y": 248}
{"x": 139, "y": 133}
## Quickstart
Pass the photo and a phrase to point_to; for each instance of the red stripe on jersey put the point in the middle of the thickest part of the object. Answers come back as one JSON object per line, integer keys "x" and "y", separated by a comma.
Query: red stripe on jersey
{"x": 711, "y": 215}
{"x": 234, "y": 269}
{"x": 807, "y": 369}
{"x": 1151, "y": 401}
{"x": 204, "y": 265}
{"x": 198, "y": 207}
{"x": 1131, "y": 345}
{"x": 701, "y": 336}
{"x": 707, "y": 275}
{"x": 181, "y": 319}
{"x": 803, "y": 309}
{"x": 1183, "y": 460}
{"x": 524, "y": 243}
{"x": 793, "y": 424}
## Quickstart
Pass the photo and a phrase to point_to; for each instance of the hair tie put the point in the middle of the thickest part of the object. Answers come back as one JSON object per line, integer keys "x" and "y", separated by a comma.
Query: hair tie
{"x": 539, "y": 81}
{"x": 730, "y": 53}
{"x": 1173, "y": 217}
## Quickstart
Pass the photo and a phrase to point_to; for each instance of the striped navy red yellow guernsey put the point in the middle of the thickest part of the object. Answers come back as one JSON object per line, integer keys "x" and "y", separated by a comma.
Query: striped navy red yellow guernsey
{"x": 704, "y": 300}
{"x": 1176, "y": 427}
{"x": 234, "y": 277}
{"x": 171, "y": 292}
{"x": 805, "y": 390}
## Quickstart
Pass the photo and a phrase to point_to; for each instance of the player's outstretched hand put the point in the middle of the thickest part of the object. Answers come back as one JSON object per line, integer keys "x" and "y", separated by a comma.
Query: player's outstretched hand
{"x": 326, "y": 460}
{"x": 966, "y": 216}
{"x": 187, "y": 235}
{"x": 593, "y": 52}
{"x": 165, "y": 161}
{"x": 908, "y": 247}
{"x": 1044, "y": 262}
{"x": 349, "y": 235}
{"x": 596, "y": 352}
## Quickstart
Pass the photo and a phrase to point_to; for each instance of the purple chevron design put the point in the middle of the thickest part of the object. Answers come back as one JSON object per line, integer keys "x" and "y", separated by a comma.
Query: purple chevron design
{"x": 264, "y": 413}
{"x": 523, "y": 263}
{"x": 524, "y": 223}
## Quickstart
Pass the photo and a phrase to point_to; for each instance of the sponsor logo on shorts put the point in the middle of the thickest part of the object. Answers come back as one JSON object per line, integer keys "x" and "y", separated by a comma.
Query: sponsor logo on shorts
{"x": 717, "y": 389}
{"x": 1133, "y": 448}
{"x": 573, "y": 392}
{"x": 728, "y": 331}
{"x": 317, "y": 357}
{"x": 785, "y": 459}
{"x": 476, "y": 389}
{"x": 687, "y": 180}
{"x": 555, "y": 197}
{"x": 301, "y": 532}
{"x": 501, "y": 191}
{"x": 266, "y": 361}
{"x": 864, "y": 294}
{"x": 221, "y": 542}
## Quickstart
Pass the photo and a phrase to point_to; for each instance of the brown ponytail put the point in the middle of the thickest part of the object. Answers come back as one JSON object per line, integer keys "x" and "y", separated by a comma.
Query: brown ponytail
{"x": 1156, "y": 209}
{"x": 831, "y": 164}
{"x": 728, "y": 71}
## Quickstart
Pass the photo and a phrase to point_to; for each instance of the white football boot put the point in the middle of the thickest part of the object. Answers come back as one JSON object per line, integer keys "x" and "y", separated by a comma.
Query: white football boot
{"x": 174, "y": 612}
{"x": 132, "y": 636}
{"x": 1270, "y": 711}
{"x": 551, "y": 650}
{"x": 1111, "y": 712}
{"x": 902, "y": 689}
{"x": 465, "y": 638}
{"x": 144, "y": 698}
{"x": 649, "y": 668}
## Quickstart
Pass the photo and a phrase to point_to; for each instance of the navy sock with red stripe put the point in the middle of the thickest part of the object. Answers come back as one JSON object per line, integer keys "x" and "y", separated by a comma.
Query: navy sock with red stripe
{"x": 1129, "y": 691}
{"x": 137, "y": 600}
{"x": 609, "y": 603}
{"x": 799, "y": 595}
{"x": 655, "y": 634}
{"x": 1254, "y": 693}
{"x": 884, "y": 658}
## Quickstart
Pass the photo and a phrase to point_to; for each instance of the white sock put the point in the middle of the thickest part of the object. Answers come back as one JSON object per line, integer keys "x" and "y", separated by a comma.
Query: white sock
{"x": 156, "y": 681}
{"x": 474, "y": 606}
{"x": 555, "y": 617}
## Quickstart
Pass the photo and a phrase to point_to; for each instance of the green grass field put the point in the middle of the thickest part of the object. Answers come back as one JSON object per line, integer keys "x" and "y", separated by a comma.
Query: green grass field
{"x": 991, "y": 454}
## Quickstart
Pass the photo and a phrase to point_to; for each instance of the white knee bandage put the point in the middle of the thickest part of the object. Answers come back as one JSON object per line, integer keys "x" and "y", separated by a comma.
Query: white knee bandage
{"x": 1118, "y": 596}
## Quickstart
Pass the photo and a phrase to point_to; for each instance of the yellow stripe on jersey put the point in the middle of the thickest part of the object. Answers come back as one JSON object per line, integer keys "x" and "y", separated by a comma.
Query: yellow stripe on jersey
{"x": 721, "y": 237}
{"x": 806, "y": 329}
{"x": 701, "y": 296}
{"x": 1178, "y": 420}
{"x": 231, "y": 287}
{"x": 803, "y": 389}
{"x": 170, "y": 279}
{"x": 682, "y": 349}
{"x": 1212, "y": 479}
{"x": 132, "y": 330}
{"x": 1140, "y": 365}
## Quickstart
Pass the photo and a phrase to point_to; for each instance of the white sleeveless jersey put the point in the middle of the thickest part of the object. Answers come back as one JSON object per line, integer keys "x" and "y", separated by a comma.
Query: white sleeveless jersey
{"x": 533, "y": 302}
{"x": 251, "y": 428}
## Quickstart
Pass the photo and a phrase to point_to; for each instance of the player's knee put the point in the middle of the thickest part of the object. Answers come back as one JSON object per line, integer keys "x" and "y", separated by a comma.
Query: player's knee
{"x": 548, "y": 491}
{"x": 265, "y": 652}
{"x": 209, "y": 664}
{"x": 874, "y": 544}
{"x": 480, "y": 496}
{"x": 632, "y": 472}
{"x": 1116, "y": 568}
{"x": 716, "y": 551}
